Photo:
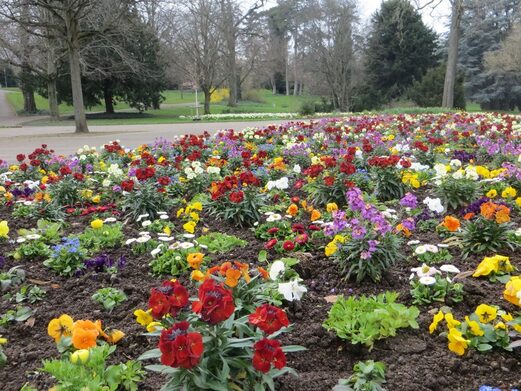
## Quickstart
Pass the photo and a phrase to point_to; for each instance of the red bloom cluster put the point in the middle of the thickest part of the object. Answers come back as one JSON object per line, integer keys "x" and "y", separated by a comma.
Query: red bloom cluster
{"x": 215, "y": 302}
{"x": 267, "y": 352}
{"x": 383, "y": 161}
{"x": 127, "y": 185}
{"x": 170, "y": 298}
{"x": 180, "y": 348}
{"x": 143, "y": 174}
{"x": 236, "y": 196}
{"x": 269, "y": 318}
{"x": 113, "y": 147}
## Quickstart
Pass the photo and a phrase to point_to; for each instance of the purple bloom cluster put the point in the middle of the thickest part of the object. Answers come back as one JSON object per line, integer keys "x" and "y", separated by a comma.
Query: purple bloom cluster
{"x": 104, "y": 262}
{"x": 409, "y": 201}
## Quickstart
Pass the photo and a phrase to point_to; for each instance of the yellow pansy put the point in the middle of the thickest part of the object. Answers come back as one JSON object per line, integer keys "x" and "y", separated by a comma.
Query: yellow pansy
{"x": 96, "y": 199}
{"x": 189, "y": 227}
{"x": 197, "y": 206}
{"x": 457, "y": 343}
{"x": 60, "y": 327}
{"x": 512, "y": 289}
{"x": 451, "y": 321}
{"x": 194, "y": 216}
{"x": 500, "y": 325}
{"x": 96, "y": 224}
{"x": 483, "y": 172}
{"x": 4, "y": 229}
{"x": 331, "y": 248}
{"x": 518, "y": 201}
{"x": 144, "y": 318}
{"x": 435, "y": 320}
{"x": 474, "y": 327}
{"x": 179, "y": 212}
{"x": 509, "y": 192}
{"x": 154, "y": 326}
{"x": 167, "y": 230}
{"x": 492, "y": 193}
{"x": 3, "y": 341}
{"x": 486, "y": 313}
{"x": 331, "y": 207}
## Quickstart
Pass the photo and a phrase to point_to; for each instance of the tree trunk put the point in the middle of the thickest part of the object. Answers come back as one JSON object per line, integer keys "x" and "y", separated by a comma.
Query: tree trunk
{"x": 273, "y": 84}
{"x": 207, "y": 97}
{"x": 295, "y": 69}
{"x": 52, "y": 93}
{"x": 452, "y": 61}
{"x": 108, "y": 96}
{"x": 29, "y": 102}
{"x": 77, "y": 93}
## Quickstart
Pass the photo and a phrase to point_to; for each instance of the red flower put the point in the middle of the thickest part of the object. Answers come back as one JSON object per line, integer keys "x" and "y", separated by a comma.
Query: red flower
{"x": 215, "y": 302}
{"x": 127, "y": 185}
{"x": 267, "y": 352}
{"x": 269, "y": 318}
{"x": 288, "y": 245}
{"x": 20, "y": 157}
{"x": 65, "y": 170}
{"x": 163, "y": 181}
{"x": 270, "y": 244}
{"x": 180, "y": 348}
{"x": 302, "y": 239}
{"x": 171, "y": 297}
{"x": 273, "y": 230}
{"x": 24, "y": 167}
{"x": 237, "y": 196}
{"x": 329, "y": 180}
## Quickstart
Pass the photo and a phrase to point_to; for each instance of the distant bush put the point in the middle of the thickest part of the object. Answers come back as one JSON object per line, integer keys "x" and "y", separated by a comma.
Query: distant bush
{"x": 220, "y": 95}
{"x": 307, "y": 108}
{"x": 253, "y": 96}
{"x": 428, "y": 92}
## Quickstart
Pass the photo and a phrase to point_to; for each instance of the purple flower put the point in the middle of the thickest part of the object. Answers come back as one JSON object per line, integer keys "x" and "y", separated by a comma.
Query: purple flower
{"x": 409, "y": 201}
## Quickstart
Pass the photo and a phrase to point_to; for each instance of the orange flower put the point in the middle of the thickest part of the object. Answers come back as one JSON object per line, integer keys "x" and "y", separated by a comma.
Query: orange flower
{"x": 115, "y": 336}
{"x": 195, "y": 260}
{"x": 232, "y": 277}
{"x": 84, "y": 334}
{"x": 263, "y": 272}
{"x": 502, "y": 214}
{"x": 488, "y": 209}
{"x": 245, "y": 271}
{"x": 451, "y": 223}
{"x": 315, "y": 215}
{"x": 292, "y": 210}
{"x": 199, "y": 276}
{"x": 468, "y": 216}
{"x": 401, "y": 228}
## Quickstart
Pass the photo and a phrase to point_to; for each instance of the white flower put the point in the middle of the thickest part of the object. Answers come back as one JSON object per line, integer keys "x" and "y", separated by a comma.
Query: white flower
{"x": 130, "y": 241}
{"x": 420, "y": 250}
{"x": 143, "y": 239}
{"x": 144, "y": 233}
{"x": 458, "y": 174}
{"x": 146, "y": 223}
{"x": 106, "y": 182}
{"x": 413, "y": 242}
{"x": 33, "y": 236}
{"x": 274, "y": 217}
{"x": 449, "y": 269}
{"x": 164, "y": 217}
{"x": 441, "y": 169}
{"x": 189, "y": 236}
{"x": 110, "y": 220}
{"x": 280, "y": 184}
{"x": 434, "y": 204}
{"x": 431, "y": 248}
{"x": 455, "y": 163}
{"x": 20, "y": 240}
{"x": 292, "y": 290}
{"x": 165, "y": 238}
{"x": 427, "y": 280}
{"x": 297, "y": 169}
{"x": 156, "y": 251}
{"x": 424, "y": 270}
{"x": 186, "y": 245}
{"x": 276, "y": 269}
{"x": 213, "y": 170}
{"x": 141, "y": 217}
{"x": 471, "y": 173}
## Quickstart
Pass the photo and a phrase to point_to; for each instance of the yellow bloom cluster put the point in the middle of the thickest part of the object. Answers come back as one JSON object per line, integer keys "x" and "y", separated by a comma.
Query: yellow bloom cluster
{"x": 332, "y": 246}
{"x": 190, "y": 212}
{"x": 410, "y": 178}
{"x": 495, "y": 264}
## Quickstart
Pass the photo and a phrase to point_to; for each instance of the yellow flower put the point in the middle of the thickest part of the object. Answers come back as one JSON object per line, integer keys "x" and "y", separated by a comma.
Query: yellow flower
{"x": 451, "y": 322}
{"x": 492, "y": 193}
{"x": 500, "y": 325}
{"x": 167, "y": 230}
{"x": 486, "y": 266}
{"x": 194, "y": 216}
{"x": 457, "y": 343}
{"x": 315, "y": 215}
{"x": 3, "y": 341}
{"x": 4, "y": 229}
{"x": 142, "y": 317}
{"x": 509, "y": 192}
{"x": 154, "y": 326}
{"x": 415, "y": 183}
{"x": 512, "y": 289}
{"x": 331, "y": 248}
{"x": 189, "y": 227}
{"x": 96, "y": 224}
{"x": 180, "y": 212}
{"x": 435, "y": 320}
{"x": 81, "y": 355}
{"x": 483, "y": 172}
{"x": 518, "y": 201}
{"x": 96, "y": 199}
{"x": 115, "y": 336}
{"x": 197, "y": 206}
{"x": 331, "y": 207}
{"x": 474, "y": 327}
{"x": 60, "y": 327}
{"x": 486, "y": 313}
{"x": 195, "y": 260}
{"x": 507, "y": 317}
{"x": 198, "y": 275}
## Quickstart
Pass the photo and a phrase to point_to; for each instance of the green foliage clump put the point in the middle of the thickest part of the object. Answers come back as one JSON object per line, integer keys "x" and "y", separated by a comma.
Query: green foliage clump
{"x": 96, "y": 239}
{"x": 367, "y": 376}
{"x": 365, "y": 320}
{"x": 483, "y": 236}
{"x": 145, "y": 199}
{"x": 457, "y": 193}
{"x": 109, "y": 297}
{"x": 216, "y": 242}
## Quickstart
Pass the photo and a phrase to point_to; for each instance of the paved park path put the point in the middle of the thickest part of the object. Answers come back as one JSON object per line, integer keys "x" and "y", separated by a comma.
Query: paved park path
{"x": 65, "y": 142}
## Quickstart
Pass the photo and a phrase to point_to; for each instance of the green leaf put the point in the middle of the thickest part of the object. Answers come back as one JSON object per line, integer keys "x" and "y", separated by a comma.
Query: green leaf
{"x": 263, "y": 256}
{"x": 149, "y": 354}
{"x": 164, "y": 369}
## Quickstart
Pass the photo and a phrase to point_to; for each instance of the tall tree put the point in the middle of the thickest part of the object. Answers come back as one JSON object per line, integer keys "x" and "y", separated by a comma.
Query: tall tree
{"x": 400, "y": 48}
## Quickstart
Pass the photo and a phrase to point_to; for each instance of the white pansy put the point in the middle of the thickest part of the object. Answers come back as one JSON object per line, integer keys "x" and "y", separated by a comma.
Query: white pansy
{"x": 213, "y": 170}
{"x": 455, "y": 163}
{"x": 297, "y": 169}
{"x": 292, "y": 290}
{"x": 458, "y": 174}
{"x": 280, "y": 184}
{"x": 441, "y": 169}
{"x": 427, "y": 280}
{"x": 276, "y": 269}
{"x": 434, "y": 204}
{"x": 449, "y": 269}
{"x": 471, "y": 173}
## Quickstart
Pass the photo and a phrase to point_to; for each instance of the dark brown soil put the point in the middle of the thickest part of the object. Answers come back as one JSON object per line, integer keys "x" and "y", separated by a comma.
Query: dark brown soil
{"x": 416, "y": 360}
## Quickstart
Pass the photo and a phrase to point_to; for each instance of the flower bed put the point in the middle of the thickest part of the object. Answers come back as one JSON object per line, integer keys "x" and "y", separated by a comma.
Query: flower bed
{"x": 304, "y": 256}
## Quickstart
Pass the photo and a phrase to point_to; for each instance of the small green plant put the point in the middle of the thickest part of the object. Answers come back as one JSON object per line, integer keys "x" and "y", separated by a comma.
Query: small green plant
{"x": 66, "y": 191}
{"x": 91, "y": 372}
{"x": 172, "y": 261}
{"x": 30, "y": 293}
{"x": 145, "y": 199}
{"x": 109, "y": 297}
{"x": 20, "y": 314}
{"x": 430, "y": 285}
{"x": 388, "y": 183}
{"x": 96, "y": 239}
{"x": 12, "y": 277}
{"x": 32, "y": 249}
{"x": 483, "y": 236}
{"x": 367, "y": 376}
{"x": 365, "y": 320}
{"x": 457, "y": 193}
{"x": 431, "y": 254}
{"x": 67, "y": 258}
{"x": 3, "y": 356}
{"x": 50, "y": 231}
{"x": 220, "y": 243}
